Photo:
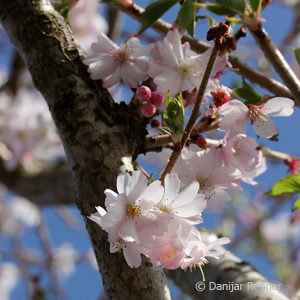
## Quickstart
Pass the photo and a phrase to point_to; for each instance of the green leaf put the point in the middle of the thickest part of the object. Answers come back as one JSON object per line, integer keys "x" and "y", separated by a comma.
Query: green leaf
{"x": 151, "y": 179}
{"x": 234, "y": 20}
{"x": 255, "y": 4}
{"x": 211, "y": 21}
{"x": 186, "y": 16}
{"x": 154, "y": 11}
{"x": 297, "y": 205}
{"x": 287, "y": 185}
{"x": 174, "y": 116}
{"x": 248, "y": 95}
{"x": 297, "y": 54}
{"x": 238, "y": 6}
{"x": 219, "y": 9}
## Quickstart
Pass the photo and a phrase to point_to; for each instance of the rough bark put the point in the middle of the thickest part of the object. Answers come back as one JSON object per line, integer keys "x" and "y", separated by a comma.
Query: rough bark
{"x": 95, "y": 131}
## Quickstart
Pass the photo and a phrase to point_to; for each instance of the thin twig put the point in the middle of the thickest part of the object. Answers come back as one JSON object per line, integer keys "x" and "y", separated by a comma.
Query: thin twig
{"x": 277, "y": 60}
{"x": 164, "y": 140}
{"x": 194, "y": 116}
{"x": 239, "y": 67}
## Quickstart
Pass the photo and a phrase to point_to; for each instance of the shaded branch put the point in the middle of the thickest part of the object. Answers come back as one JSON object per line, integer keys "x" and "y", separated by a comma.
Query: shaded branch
{"x": 239, "y": 67}
{"x": 229, "y": 269}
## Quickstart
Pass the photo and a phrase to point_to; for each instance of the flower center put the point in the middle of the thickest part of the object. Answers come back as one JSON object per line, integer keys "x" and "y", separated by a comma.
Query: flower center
{"x": 186, "y": 70}
{"x": 133, "y": 210}
{"x": 256, "y": 112}
{"x": 237, "y": 149}
{"x": 123, "y": 56}
{"x": 203, "y": 183}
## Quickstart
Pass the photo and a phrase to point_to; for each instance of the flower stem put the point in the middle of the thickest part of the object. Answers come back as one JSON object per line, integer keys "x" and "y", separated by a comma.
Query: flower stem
{"x": 194, "y": 116}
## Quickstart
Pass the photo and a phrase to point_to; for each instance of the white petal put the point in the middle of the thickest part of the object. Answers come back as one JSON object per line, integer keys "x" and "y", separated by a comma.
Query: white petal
{"x": 265, "y": 127}
{"x": 278, "y": 107}
{"x": 129, "y": 232}
{"x": 132, "y": 255}
{"x": 174, "y": 39}
{"x": 113, "y": 79}
{"x": 172, "y": 187}
{"x": 151, "y": 195}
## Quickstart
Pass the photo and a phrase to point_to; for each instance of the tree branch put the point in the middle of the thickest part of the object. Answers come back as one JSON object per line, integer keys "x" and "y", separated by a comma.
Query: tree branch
{"x": 239, "y": 67}
{"x": 227, "y": 270}
{"x": 277, "y": 60}
{"x": 95, "y": 131}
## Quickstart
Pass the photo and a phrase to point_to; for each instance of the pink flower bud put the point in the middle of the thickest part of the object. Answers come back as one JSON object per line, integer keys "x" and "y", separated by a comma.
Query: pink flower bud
{"x": 157, "y": 98}
{"x": 148, "y": 110}
{"x": 143, "y": 93}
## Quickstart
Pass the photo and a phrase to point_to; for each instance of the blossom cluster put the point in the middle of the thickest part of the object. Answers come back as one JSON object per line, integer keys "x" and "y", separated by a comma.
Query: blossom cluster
{"x": 28, "y": 134}
{"x": 156, "y": 221}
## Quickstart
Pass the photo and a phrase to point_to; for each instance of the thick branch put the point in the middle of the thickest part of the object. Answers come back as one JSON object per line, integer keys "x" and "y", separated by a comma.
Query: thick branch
{"x": 95, "y": 131}
{"x": 227, "y": 270}
{"x": 49, "y": 187}
{"x": 239, "y": 67}
{"x": 277, "y": 60}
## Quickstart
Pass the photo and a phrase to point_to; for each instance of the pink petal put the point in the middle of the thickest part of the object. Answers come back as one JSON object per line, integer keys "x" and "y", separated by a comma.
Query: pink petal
{"x": 265, "y": 127}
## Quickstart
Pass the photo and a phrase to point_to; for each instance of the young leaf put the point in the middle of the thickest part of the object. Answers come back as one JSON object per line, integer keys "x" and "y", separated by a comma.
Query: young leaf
{"x": 297, "y": 54}
{"x": 174, "y": 116}
{"x": 238, "y": 6}
{"x": 287, "y": 185}
{"x": 297, "y": 205}
{"x": 255, "y": 4}
{"x": 248, "y": 95}
{"x": 186, "y": 16}
{"x": 218, "y": 9}
{"x": 154, "y": 11}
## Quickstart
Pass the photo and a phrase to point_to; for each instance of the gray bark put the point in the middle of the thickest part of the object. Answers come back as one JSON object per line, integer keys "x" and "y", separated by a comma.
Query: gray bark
{"x": 95, "y": 131}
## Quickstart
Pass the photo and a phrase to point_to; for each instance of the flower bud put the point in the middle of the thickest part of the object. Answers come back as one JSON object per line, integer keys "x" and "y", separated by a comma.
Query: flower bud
{"x": 157, "y": 98}
{"x": 148, "y": 110}
{"x": 143, "y": 93}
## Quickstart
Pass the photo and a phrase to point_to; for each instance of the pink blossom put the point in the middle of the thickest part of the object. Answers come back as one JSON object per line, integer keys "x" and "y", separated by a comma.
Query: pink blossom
{"x": 86, "y": 22}
{"x": 132, "y": 210}
{"x": 241, "y": 152}
{"x": 206, "y": 166}
{"x": 112, "y": 63}
{"x": 196, "y": 251}
{"x": 187, "y": 204}
{"x": 236, "y": 115}
{"x": 174, "y": 67}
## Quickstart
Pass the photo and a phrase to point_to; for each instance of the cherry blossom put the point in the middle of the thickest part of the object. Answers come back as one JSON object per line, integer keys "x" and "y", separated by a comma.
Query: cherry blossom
{"x": 241, "y": 152}
{"x": 207, "y": 167}
{"x": 112, "y": 63}
{"x": 86, "y": 22}
{"x": 235, "y": 115}
{"x": 175, "y": 67}
{"x": 187, "y": 204}
{"x": 131, "y": 211}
